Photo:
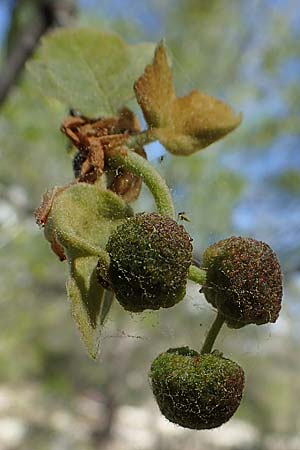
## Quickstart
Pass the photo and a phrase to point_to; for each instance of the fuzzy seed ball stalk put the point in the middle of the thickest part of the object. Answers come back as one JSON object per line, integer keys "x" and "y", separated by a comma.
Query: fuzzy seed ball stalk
{"x": 212, "y": 334}
{"x": 123, "y": 157}
{"x": 197, "y": 275}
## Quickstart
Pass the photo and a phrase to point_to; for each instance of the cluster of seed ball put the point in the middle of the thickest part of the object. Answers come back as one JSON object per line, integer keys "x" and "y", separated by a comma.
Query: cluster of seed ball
{"x": 243, "y": 281}
{"x": 149, "y": 260}
{"x": 150, "y": 256}
{"x": 196, "y": 391}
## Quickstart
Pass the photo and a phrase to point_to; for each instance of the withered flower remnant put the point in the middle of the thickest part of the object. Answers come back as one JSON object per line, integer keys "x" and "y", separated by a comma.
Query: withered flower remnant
{"x": 93, "y": 138}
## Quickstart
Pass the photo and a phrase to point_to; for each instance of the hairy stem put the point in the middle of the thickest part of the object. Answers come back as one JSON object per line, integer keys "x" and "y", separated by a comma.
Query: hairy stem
{"x": 197, "y": 275}
{"x": 212, "y": 334}
{"x": 75, "y": 245}
{"x": 140, "y": 139}
{"x": 125, "y": 158}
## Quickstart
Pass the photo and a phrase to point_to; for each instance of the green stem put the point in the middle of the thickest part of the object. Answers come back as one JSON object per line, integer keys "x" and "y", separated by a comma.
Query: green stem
{"x": 123, "y": 157}
{"x": 141, "y": 139}
{"x": 212, "y": 334}
{"x": 73, "y": 244}
{"x": 197, "y": 275}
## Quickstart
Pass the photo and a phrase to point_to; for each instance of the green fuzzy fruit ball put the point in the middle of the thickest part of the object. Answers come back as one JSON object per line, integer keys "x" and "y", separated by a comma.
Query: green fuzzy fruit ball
{"x": 150, "y": 256}
{"x": 243, "y": 281}
{"x": 197, "y": 391}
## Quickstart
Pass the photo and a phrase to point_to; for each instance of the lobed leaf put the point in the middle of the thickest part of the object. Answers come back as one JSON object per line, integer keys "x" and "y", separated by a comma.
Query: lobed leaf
{"x": 182, "y": 124}
{"x": 88, "y": 70}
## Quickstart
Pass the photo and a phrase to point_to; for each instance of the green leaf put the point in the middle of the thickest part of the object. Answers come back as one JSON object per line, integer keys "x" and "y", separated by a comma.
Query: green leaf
{"x": 89, "y": 70}
{"x": 90, "y": 303}
{"x": 81, "y": 218}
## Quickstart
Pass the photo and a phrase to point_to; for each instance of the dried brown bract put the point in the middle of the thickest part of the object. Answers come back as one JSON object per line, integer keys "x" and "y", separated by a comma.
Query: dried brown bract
{"x": 41, "y": 216}
{"x": 93, "y": 138}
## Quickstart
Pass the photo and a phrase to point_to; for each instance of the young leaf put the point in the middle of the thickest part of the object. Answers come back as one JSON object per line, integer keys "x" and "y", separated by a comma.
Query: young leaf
{"x": 91, "y": 71}
{"x": 82, "y": 217}
{"x": 182, "y": 124}
{"x": 90, "y": 303}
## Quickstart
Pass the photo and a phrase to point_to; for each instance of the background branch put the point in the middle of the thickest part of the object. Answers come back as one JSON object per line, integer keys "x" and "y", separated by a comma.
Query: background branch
{"x": 49, "y": 13}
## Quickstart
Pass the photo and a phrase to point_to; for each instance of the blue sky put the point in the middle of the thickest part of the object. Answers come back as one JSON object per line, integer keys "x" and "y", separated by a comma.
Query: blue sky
{"x": 4, "y": 16}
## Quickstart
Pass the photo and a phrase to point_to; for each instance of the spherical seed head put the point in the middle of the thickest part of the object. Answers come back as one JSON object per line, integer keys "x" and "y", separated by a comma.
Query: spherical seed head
{"x": 150, "y": 255}
{"x": 244, "y": 281}
{"x": 196, "y": 391}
